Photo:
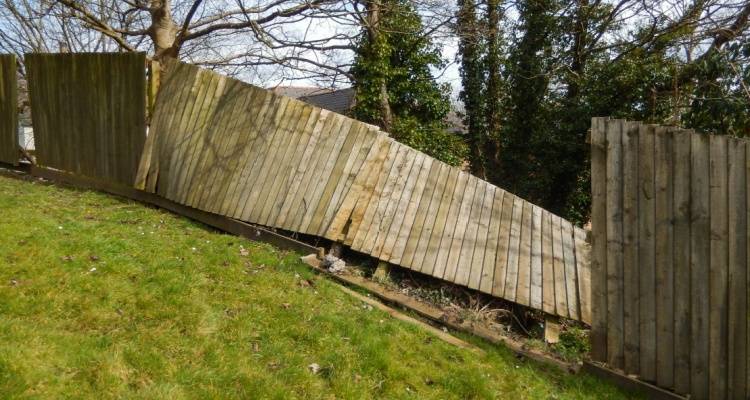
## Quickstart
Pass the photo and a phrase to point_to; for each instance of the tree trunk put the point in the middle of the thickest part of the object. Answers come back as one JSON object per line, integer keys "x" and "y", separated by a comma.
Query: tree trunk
{"x": 493, "y": 95}
{"x": 163, "y": 30}
{"x": 373, "y": 30}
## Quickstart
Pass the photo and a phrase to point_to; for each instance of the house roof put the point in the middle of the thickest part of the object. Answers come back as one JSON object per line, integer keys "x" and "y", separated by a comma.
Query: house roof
{"x": 299, "y": 91}
{"x": 339, "y": 101}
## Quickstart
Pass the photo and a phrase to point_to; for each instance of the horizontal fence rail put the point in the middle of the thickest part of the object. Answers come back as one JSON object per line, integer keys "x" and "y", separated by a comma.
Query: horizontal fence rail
{"x": 670, "y": 257}
{"x": 89, "y": 112}
{"x": 226, "y": 147}
{"x": 9, "y": 151}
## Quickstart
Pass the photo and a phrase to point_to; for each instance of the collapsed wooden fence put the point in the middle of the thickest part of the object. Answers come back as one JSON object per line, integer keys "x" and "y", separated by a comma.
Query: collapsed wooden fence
{"x": 670, "y": 257}
{"x": 223, "y": 146}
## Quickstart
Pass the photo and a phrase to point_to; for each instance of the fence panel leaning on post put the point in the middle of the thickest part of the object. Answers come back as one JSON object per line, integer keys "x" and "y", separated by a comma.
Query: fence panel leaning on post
{"x": 670, "y": 257}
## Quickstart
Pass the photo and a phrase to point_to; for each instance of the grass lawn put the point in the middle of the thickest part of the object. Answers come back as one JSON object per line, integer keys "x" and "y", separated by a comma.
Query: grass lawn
{"x": 102, "y": 297}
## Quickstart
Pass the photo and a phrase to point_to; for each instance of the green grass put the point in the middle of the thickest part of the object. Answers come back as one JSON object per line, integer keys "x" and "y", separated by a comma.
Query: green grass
{"x": 102, "y": 297}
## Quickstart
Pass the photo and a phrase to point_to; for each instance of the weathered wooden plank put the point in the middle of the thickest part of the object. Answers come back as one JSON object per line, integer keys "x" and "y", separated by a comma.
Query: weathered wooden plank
{"x": 583, "y": 263}
{"x": 230, "y": 151}
{"x": 664, "y": 257}
{"x": 571, "y": 276}
{"x": 501, "y": 260}
{"x": 8, "y": 110}
{"x": 354, "y": 162}
{"x": 429, "y": 243}
{"x": 435, "y": 182}
{"x": 511, "y": 274}
{"x": 353, "y": 206}
{"x": 251, "y": 121}
{"x": 737, "y": 274}
{"x": 305, "y": 128}
{"x": 490, "y": 253}
{"x": 631, "y": 283}
{"x": 523, "y": 290}
{"x": 718, "y": 316}
{"x": 451, "y": 224}
{"x": 434, "y": 224}
{"x": 184, "y": 144}
{"x": 343, "y": 144}
{"x": 214, "y": 137}
{"x": 401, "y": 165}
{"x": 700, "y": 229}
{"x": 681, "y": 197}
{"x": 401, "y": 238}
{"x": 548, "y": 268}
{"x": 747, "y": 269}
{"x": 412, "y": 164}
{"x": 535, "y": 299}
{"x": 400, "y": 223}
{"x": 599, "y": 242}
{"x": 466, "y": 257}
{"x": 558, "y": 263}
{"x": 285, "y": 140}
{"x": 264, "y": 157}
{"x": 359, "y": 235}
{"x": 459, "y": 232}
{"x": 291, "y": 204}
{"x": 483, "y": 227}
{"x": 646, "y": 252}
{"x": 614, "y": 245}
{"x": 195, "y": 149}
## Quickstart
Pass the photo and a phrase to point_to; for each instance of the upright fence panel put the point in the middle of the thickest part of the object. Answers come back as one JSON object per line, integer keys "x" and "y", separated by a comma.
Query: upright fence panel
{"x": 670, "y": 257}
{"x": 8, "y": 110}
{"x": 89, "y": 112}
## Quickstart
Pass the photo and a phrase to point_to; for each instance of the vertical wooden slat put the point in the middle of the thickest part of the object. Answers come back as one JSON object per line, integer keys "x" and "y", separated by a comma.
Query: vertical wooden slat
{"x": 548, "y": 274}
{"x": 583, "y": 263}
{"x": 466, "y": 261}
{"x": 718, "y": 316}
{"x": 8, "y": 110}
{"x": 429, "y": 242}
{"x": 631, "y": 321}
{"x": 558, "y": 264}
{"x": 535, "y": 295}
{"x": 401, "y": 238}
{"x": 461, "y": 228}
{"x": 477, "y": 263}
{"x": 523, "y": 290}
{"x": 446, "y": 240}
{"x": 646, "y": 252}
{"x": 599, "y": 242}
{"x": 503, "y": 242}
{"x": 664, "y": 258}
{"x": 699, "y": 264}
{"x": 571, "y": 275}
{"x": 738, "y": 312}
{"x": 490, "y": 254}
{"x": 681, "y": 173}
{"x": 614, "y": 245}
{"x": 434, "y": 184}
{"x": 511, "y": 273}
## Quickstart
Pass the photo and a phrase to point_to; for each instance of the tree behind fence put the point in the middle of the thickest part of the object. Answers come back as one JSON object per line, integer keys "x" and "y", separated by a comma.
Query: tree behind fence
{"x": 670, "y": 257}
{"x": 88, "y": 112}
